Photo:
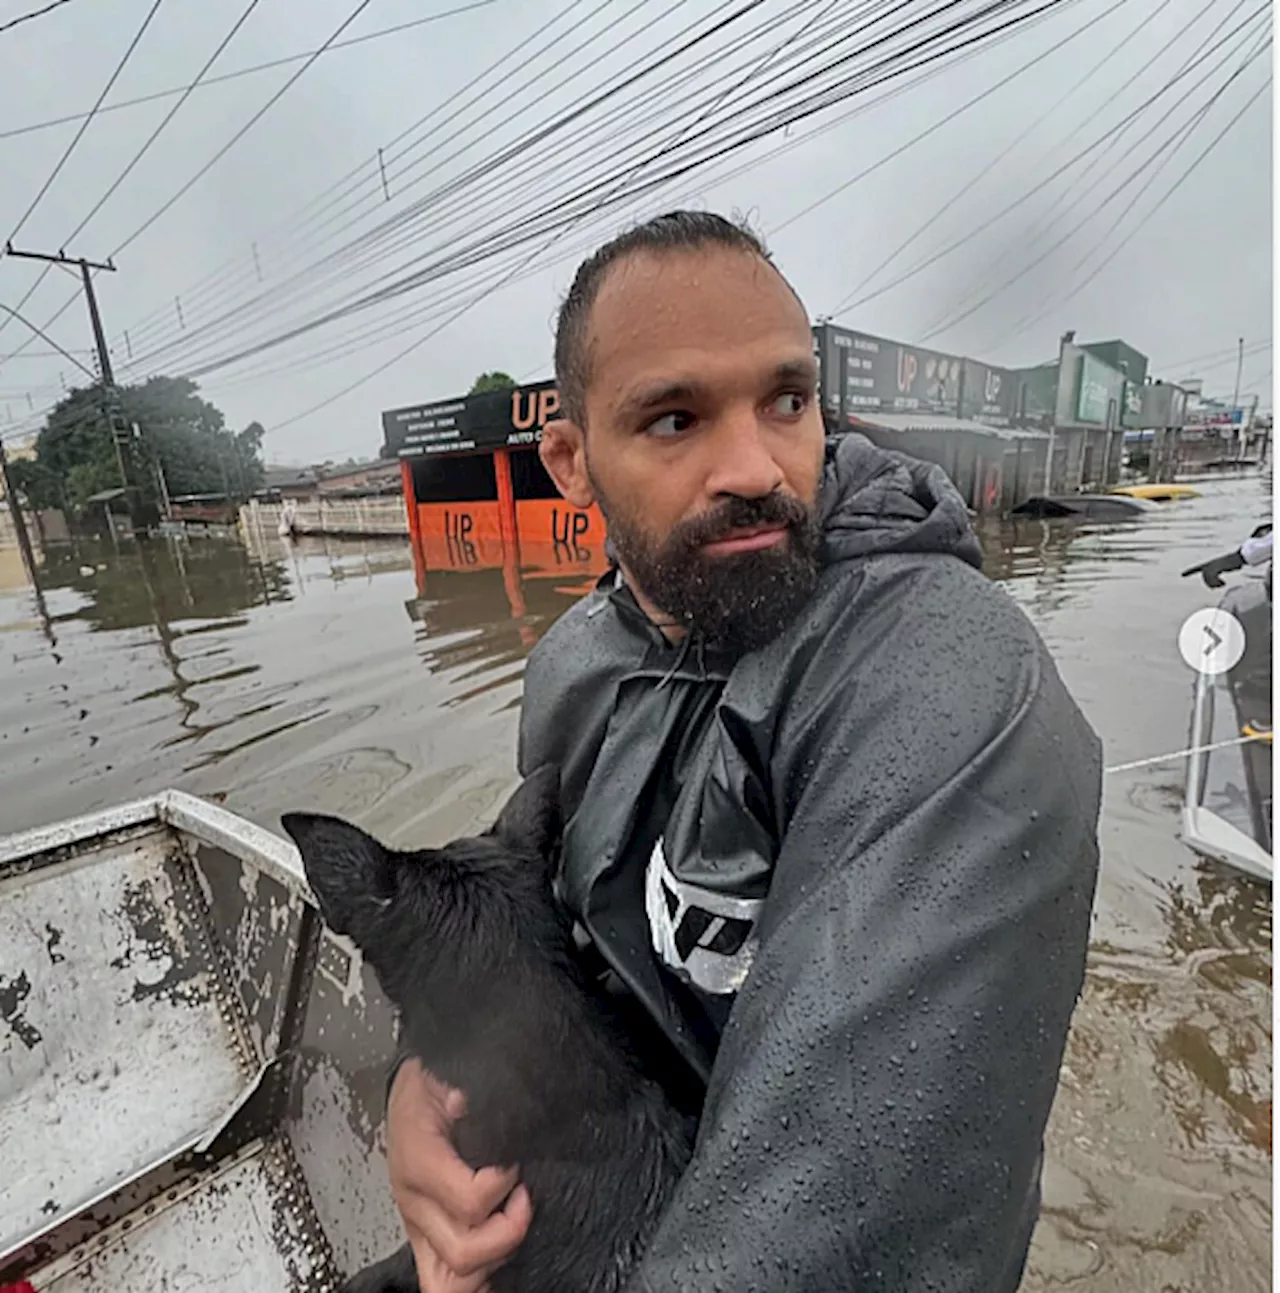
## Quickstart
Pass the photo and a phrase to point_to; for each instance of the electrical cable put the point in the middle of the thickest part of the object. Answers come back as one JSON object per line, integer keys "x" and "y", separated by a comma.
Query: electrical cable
{"x": 71, "y": 147}
{"x": 815, "y": 104}
{"x": 975, "y": 297}
{"x": 294, "y": 221}
{"x": 165, "y": 120}
{"x": 733, "y": 144}
{"x": 1121, "y": 46}
{"x": 35, "y": 13}
{"x": 223, "y": 77}
{"x": 949, "y": 117}
{"x": 845, "y": 306}
{"x": 66, "y": 354}
{"x": 1168, "y": 149}
{"x": 1146, "y": 219}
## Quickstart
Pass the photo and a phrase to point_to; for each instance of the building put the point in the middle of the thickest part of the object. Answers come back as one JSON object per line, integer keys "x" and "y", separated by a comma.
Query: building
{"x": 360, "y": 480}
{"x": 966, "y": 416}
{"x": 1092, "y": 398}
{"x": 477, "y": 495}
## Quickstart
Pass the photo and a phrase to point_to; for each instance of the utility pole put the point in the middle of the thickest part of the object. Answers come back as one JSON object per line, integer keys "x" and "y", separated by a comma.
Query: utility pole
{"x": 19, "y": 521}
{"x": 104, "y": 359}
{"x": 116, "y": 426}
{"x": 1237, "y": 433}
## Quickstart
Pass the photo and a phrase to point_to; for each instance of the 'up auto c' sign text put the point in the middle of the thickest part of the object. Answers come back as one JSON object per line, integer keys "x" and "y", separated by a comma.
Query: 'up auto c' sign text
{"x": 500, "y": 419}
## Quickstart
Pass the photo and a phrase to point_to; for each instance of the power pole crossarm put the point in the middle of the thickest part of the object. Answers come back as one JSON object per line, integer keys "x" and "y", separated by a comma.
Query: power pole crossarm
{"x": 60, "y": 259}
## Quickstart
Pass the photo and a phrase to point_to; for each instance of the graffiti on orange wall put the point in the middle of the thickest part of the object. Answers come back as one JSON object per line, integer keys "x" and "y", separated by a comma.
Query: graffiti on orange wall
{"x": 554, "y": 537}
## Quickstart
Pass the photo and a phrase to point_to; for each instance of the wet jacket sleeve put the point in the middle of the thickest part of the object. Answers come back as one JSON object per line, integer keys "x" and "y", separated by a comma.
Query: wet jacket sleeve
{"x": 876, "y": 1113}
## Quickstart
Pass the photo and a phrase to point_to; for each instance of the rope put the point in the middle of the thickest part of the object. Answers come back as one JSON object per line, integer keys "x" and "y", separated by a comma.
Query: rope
{"x": 1190, "y": 750}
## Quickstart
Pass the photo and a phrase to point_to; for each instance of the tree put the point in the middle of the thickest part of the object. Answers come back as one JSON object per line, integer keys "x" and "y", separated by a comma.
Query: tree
{"x": 495, "y": 381}
{"x": 76, "y": 455}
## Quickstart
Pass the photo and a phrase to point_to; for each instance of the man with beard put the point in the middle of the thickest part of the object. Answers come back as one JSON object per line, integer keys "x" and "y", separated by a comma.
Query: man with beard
{"x": 830, "y": 813}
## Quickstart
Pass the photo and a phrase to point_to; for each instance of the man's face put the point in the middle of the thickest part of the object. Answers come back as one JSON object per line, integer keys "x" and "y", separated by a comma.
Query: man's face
{"x": 704, "y": 440}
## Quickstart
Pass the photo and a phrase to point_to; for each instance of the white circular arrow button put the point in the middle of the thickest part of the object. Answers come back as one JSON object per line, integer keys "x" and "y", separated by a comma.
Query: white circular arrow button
{"x": 1212, "y": 641}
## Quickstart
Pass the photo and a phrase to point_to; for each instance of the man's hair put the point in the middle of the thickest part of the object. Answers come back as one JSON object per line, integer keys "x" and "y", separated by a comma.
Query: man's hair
{"x": 676, "y": 231}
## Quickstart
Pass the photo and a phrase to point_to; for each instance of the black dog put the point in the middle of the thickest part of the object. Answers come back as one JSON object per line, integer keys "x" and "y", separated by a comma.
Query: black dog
{"x": 472, "y": 948}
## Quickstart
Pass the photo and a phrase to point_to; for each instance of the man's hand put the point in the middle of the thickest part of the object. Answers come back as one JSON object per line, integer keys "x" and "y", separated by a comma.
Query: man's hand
{"x": 458, "y": 1224}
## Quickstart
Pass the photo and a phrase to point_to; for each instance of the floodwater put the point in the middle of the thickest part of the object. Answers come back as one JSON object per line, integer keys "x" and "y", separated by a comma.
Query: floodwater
{"x": 312, "y": 675}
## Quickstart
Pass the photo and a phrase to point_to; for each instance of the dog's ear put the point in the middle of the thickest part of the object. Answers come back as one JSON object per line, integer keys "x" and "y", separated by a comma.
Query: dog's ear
{"x": 351, "y": 874}
{"x": 530, "y": 819}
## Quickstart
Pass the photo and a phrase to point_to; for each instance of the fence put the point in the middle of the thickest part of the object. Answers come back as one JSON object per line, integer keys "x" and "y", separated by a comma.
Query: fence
{"x": 376, "y": 517}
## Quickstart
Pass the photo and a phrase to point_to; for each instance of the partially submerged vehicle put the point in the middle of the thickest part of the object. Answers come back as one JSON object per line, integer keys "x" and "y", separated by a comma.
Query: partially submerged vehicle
{"x": 1227, "y": 801}
{"x": 1085, "y": 507}
{"x": 1159, "y": 493}
{"x": 192, "y": 1069}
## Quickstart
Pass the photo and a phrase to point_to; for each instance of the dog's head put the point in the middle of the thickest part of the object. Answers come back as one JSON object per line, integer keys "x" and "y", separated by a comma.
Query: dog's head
{"x": 464, "y": 910}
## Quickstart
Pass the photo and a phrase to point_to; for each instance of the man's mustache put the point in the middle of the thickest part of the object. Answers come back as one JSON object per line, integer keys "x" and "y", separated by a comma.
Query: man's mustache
{"x": 776, "y": 509}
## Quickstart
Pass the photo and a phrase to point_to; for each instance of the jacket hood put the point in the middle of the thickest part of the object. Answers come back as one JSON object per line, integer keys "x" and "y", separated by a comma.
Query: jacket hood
{"x": 877, "y": 500}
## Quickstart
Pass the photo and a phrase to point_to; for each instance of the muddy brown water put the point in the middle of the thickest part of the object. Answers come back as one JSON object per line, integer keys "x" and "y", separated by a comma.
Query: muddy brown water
{"x": 312, "y": 676}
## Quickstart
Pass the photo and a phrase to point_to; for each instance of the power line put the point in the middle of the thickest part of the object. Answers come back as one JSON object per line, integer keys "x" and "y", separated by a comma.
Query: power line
{"x": 71, "y": 147}
{"x": 334, "y": 265}
{"x": 1146, "y": 219}
{"x": 1229, "y": 351}
{"x": 223, "y": 77}
{"x": 571, "y": 219}
{"x": 168, "y": 117}
{"x": 209, "y": 164}
{"x": 66, "y": 354}
{"x": 35, "y": 13}
{"x": 847, "y": 305}
{"x": 70, "y": 300}
{"x": 891, "y": 66}
{"x": 294, "y": 220}
{"x": 945, "y": 120}
{"x": 1121, "y": 46}
{"x": 244, "y": 130}
{"x": 495, "y": 103}
{"x": 1168, "y": 148}
{"x": 395, "y": 323}
{"x": 79, "y": 135}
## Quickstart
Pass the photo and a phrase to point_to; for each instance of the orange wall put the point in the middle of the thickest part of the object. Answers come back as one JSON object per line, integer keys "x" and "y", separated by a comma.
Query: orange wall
{"x": 554, "y": 537}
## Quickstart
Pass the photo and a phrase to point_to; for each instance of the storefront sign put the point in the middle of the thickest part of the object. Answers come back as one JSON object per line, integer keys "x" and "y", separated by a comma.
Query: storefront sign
{"x": 472, "y": 424}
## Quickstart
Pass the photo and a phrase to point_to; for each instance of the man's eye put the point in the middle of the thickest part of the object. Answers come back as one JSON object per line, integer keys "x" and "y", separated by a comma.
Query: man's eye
{"x": 790, "y": 404}
{"x": 670, "y": 424}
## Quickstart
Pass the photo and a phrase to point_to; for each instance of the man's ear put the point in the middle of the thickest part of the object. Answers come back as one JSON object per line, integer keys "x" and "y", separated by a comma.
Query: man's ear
{"x": 563, "y": 450}
{"x": 530, "y": 819}
{"x": 351, "y": 874}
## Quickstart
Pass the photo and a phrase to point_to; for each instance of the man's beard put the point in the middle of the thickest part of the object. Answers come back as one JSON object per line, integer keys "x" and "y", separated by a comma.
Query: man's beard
{"x": 736, "y": 603}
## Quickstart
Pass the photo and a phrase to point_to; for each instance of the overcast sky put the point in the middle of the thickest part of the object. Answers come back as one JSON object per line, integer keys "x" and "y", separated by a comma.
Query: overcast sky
{"x": 1191, "y": 279}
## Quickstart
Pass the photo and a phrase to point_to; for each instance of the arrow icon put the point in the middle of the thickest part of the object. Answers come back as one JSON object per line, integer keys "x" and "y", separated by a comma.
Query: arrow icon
{"x": 1215, "y": 640}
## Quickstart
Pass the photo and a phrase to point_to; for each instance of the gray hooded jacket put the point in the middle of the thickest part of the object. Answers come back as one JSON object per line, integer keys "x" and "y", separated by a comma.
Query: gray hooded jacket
{"x": 849, "y": 877}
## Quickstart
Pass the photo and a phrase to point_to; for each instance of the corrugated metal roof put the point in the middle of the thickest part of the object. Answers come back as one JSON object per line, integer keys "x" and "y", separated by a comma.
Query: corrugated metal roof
{"x": 941, "y": 422}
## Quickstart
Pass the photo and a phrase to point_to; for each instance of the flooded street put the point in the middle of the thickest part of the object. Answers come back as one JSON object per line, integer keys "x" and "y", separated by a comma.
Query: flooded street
{"x": 314, "y": 677}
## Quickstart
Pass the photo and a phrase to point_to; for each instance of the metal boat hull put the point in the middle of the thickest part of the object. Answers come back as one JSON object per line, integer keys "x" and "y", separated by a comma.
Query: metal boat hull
{"x": 191, "y": 1067}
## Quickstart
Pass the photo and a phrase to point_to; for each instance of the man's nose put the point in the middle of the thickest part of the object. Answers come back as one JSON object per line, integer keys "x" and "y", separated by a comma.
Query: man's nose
{"x": 743, "y": 464}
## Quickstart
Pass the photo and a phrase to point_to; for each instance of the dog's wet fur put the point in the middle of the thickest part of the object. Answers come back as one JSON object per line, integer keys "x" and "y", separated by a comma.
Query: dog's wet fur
{"x": 470, "y": 945}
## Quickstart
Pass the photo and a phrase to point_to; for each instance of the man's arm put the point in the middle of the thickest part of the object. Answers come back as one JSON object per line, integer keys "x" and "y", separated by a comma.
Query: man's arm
{"x": 876, "y": 1113}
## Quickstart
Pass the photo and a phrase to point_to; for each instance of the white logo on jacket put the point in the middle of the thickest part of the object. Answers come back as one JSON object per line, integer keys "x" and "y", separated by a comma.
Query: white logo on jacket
{"x": 704, "y": 936}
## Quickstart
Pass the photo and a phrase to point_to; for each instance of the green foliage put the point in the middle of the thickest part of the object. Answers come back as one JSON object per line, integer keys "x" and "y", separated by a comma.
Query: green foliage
{"x": 76, "y": 455}
{"x": 495, "y": 381}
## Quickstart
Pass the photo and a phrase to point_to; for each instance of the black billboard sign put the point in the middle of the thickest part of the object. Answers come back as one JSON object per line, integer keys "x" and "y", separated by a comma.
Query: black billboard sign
{"x": 508, "y": 419}
{"x": 862, "y": 373}
{"x": 989, "y": 395}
